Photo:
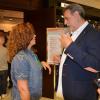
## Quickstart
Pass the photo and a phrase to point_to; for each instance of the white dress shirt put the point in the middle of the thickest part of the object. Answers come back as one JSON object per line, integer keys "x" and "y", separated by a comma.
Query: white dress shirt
{"x": 74, "y": 37}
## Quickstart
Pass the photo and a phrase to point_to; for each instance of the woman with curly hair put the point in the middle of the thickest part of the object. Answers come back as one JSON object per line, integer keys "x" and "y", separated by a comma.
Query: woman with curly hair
{"x": 26, "y": 69}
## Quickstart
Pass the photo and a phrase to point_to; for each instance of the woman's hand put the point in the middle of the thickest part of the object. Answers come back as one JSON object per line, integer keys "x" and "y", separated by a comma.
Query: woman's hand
{"x": 46, "y": 66}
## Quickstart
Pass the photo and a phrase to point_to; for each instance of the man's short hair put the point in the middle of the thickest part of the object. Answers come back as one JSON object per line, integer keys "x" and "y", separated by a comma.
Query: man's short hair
{"x": 76, "y": 7}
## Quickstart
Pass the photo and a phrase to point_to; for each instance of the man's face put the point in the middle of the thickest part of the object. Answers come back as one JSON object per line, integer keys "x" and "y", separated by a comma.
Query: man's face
{"x": 33, "y": 41}
{"x": 2, "y": 40}
{"x": 70, "y": 19}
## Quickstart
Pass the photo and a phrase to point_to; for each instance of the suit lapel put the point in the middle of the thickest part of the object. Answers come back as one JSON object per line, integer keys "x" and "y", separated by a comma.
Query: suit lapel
{"x": 83, "y": 33}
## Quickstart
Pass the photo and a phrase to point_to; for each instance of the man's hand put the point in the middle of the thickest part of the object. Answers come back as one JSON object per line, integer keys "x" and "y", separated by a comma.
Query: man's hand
{"x": 65, "y": 40}
{"x": 98, "y": 90}
{"x": 91, "y": 69}
{"x": 56, "y": 59}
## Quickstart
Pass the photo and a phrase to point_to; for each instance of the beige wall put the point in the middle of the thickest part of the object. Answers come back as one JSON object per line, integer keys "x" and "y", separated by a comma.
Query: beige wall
{"x": 6, "y": 26}
{"x": 91, "y": 3}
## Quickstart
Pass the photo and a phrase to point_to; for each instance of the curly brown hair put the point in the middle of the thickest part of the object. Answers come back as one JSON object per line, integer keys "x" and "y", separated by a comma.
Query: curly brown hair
{"x": 19, "y": 39}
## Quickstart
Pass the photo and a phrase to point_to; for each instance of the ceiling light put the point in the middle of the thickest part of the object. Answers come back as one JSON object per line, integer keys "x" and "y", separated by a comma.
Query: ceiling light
{"x": 64, "y": 4}
{"x": 10, "y": 19}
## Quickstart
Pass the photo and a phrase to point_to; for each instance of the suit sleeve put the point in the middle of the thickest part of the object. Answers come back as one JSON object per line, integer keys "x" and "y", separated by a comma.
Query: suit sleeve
{"x": 89, "y": 57}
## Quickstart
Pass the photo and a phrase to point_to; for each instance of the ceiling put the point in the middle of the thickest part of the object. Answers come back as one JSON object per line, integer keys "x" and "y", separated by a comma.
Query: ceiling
{"x": 21, "y": 4}
{"x": 10, "y": 16}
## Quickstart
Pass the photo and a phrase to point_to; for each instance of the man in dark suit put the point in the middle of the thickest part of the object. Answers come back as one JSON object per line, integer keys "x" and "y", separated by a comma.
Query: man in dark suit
{"x": 80, "y": 60}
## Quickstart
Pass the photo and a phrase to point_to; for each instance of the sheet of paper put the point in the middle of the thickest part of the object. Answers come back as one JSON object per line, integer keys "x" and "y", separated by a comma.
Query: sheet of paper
{"x": 53, "y": 43}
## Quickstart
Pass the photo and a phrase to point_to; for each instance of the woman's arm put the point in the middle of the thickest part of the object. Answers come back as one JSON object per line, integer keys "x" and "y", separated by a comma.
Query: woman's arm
{"x": 23, "y": 89}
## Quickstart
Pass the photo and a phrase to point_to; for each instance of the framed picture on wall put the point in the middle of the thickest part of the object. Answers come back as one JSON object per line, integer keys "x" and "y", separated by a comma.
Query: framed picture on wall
{"x": 53, "y": 43}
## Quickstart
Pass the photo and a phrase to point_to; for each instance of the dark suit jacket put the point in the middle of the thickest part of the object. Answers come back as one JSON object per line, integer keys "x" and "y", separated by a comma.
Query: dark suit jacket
{"x": 76, "y": 81}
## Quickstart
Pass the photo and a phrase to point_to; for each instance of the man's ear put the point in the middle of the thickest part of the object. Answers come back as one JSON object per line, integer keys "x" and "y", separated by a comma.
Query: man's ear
{"x": 76, "y": 13}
